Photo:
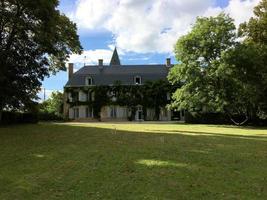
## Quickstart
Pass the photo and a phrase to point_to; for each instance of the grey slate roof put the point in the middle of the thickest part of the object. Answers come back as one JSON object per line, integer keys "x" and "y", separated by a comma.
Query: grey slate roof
{"x": 123, "y": 73}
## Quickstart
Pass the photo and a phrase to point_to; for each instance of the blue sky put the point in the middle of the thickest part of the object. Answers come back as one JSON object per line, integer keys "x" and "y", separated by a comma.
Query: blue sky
{"x": 143, "y": 30}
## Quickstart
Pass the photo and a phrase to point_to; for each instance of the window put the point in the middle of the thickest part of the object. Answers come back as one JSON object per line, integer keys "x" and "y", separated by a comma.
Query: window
{"x": 89, "y": 81}
{"x": 137, "y": 80}
{"x": 113, "y": 112}
{"x": 164, "y": 112}
{"x": 75, "y": 96}
{"x": 89, "y": 112}
{"x": 70, "y": 97}
{"x": 76, "y": 113}
{"x": 90, "y": 96}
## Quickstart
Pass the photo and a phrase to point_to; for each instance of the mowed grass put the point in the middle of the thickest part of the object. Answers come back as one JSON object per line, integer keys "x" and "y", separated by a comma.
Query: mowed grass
{"x": 132, "y": 161}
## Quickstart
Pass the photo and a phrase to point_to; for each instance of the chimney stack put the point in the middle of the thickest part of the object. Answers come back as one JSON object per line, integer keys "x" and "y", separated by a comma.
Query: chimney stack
{"x": 100, "y": 64}
{"x": 70, "y": 70}
{"x": 168, "y": 62}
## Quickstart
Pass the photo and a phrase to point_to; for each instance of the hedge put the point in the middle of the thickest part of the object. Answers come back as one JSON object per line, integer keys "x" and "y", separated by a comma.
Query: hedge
{"x": 44, "y": 116}
{"x": 18, "y": 118}
{"x": 207, "y": 118}
{"x": 219, "y": 118}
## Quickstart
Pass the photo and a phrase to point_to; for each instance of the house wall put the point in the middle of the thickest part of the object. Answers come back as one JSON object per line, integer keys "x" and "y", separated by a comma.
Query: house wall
{"x": 150, "y": 113}
{"x": 71, "y": 113}
{"x": 165, "y": 114}
{"x": 121, "y": 113}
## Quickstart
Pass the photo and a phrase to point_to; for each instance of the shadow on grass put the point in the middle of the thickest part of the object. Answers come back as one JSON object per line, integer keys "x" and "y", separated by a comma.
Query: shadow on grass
{"x": 202, "y": 133}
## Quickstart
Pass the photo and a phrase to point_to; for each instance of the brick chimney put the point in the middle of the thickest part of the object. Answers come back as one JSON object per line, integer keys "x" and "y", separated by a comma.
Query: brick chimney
{"x": 70, "y": 70}
{"x": 168, "y": 62}
{"x": 100, "y": 63}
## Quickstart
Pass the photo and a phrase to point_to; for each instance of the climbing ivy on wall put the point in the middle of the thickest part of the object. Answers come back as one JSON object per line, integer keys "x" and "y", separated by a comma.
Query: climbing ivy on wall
{"x": 152, "y": 94}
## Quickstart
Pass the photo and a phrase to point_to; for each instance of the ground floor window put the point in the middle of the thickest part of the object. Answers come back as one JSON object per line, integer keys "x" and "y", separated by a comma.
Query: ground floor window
{"x": 76, "y": 112}
{"x": 164, "y": 112}
{"x": 113, "y": 112}
{"x": 89, "y": 112}
{"x": 139, "y": 113}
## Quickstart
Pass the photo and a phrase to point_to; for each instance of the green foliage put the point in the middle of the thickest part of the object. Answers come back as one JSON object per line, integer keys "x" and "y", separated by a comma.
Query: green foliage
{"x": 255, "y": 29}
{"x": 255, "y": 34}
{"x": 149, "y": 95}
{"x": 36, "y": 39}
{"x": 155, "y": 95}
{"x": 53, "y": 105}
{"x": 200, "y": 53}
{"x": 220, "y": 74}
{"x": 9, "y": 118}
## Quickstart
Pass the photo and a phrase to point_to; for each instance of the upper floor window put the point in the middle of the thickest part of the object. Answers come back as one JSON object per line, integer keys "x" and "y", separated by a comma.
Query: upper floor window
{"x": 137, "y": 80}
{"x": 90, "y": 96}
{"x": 89, "y": 81}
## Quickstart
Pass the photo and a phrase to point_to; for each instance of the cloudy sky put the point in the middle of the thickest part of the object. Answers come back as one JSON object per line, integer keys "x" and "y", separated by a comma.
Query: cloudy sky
{"x": 144, "y": 31}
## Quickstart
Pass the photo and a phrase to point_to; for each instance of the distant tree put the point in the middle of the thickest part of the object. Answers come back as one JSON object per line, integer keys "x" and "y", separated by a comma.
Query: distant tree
{"x": 53, "y": 105}
{"x": 35, "y": 40}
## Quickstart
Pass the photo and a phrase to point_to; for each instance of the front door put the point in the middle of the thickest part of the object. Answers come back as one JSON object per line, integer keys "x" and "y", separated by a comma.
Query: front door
{"x": 140, "y": 115}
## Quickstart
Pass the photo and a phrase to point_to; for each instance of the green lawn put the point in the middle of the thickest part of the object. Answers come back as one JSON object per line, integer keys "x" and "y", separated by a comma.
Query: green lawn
{"x": 132, "y": 161}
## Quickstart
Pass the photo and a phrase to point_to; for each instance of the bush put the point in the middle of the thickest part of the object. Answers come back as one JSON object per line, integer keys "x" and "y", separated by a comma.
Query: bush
{"x": 46, "y": 116}
{"x": 18, "y": 118}
{"x": 207, "y": 118}
{"x": 219, "y": 118}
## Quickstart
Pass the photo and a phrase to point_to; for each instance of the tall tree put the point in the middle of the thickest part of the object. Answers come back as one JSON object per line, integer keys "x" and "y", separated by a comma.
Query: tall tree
{"x": 35, "y": 40}
{"x": 255, "y": 34}
{"x": 255, "y": 29}
{"x": 200, "y": 53}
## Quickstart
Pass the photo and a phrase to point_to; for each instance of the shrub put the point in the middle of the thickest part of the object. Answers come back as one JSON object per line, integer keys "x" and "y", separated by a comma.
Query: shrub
{"x": 46, "y": 116}
{"x": 9, "y": 117}
{"x": 219, "y": 118}
{"x": 207, "y": 118}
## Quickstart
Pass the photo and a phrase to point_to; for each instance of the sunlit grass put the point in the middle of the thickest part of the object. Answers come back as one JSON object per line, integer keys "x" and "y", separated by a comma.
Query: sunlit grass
{"x": 160, "y": 163}
{"x": 187, "y": 129}
{"x": 132, "y": 161}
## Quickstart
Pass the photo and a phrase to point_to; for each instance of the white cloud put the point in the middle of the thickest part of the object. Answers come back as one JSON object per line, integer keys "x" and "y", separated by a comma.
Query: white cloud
{"x": 151, "y": 25}
{"x": 90, "y": 57}
{"x": 241, "y": 10}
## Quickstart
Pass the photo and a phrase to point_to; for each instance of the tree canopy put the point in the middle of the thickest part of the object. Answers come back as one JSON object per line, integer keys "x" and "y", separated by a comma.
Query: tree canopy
{"x": 35, "y": 41}
{"x": 200, "y": 53}
{"x": 221, "y": 72}
{"x": 53, "y": 105}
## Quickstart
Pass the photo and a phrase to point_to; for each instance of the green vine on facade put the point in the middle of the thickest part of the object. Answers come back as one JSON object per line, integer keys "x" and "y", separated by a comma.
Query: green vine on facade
{"x": 154, "y": 95}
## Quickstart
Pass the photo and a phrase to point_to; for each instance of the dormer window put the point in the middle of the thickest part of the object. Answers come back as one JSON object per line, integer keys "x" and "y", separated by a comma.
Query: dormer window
{"x": 137, "y": 80}
{"x": 89, "y": 81}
